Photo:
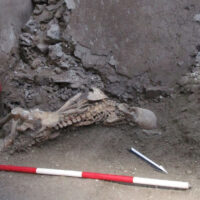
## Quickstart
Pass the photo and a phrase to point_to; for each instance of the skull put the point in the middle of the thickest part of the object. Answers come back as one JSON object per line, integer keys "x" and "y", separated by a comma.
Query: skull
{"x": 144, "y": 118}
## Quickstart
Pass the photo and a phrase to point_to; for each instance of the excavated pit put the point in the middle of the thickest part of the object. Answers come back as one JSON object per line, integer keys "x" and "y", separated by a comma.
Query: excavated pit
{"x": 142, "y": 53}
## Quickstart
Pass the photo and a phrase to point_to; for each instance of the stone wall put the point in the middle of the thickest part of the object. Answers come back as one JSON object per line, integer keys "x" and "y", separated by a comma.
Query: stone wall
{"x": 153, "y": 37}
{"x": 13, "y": 15}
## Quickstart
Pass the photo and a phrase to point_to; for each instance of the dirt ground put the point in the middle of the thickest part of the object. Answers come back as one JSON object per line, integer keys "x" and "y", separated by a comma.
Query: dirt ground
{"x": 101, "y": 150}
{"x": 105, "y": 150}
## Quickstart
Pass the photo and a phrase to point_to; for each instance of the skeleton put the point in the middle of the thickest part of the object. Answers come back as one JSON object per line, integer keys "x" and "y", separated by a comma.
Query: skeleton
{"x": 81, "y": 110}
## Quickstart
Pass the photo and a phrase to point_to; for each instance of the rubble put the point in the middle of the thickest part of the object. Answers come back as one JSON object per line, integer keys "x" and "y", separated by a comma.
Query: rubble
{"x": 26, "y": 39}
{"x": 67, "y": 62}
{"x": 45, "y": 16}
{"x": 88, "y": 58}
{"x": 157, "y": 91}
{"x": 38, "y": 9}
{"x": 52, "y": 1}
{"x": 31, "y": 26}
{"x": 53, "y": 5}
{"x": 47, "y": 50}
{"x": 36, "y": 63}
{"x": 70, "y": 4}
{"x": 74, "y": 78}
{"x": 197, "y": 59}
{"x": 55, "y": 52}
{"x": 40, "y": 1}
{"x": 53, "y": 33}
{"x": 42, "y": 47}
{"x": 197, "y": 18}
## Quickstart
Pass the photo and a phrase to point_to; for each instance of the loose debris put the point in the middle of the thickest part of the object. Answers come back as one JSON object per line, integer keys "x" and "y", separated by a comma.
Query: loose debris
{"x": 51, "y": 64}
{"x": 83, "y": 109}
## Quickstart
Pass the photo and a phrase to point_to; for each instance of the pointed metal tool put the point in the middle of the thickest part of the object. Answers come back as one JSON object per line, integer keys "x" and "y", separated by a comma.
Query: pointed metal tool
{"x": 148, "y": 160}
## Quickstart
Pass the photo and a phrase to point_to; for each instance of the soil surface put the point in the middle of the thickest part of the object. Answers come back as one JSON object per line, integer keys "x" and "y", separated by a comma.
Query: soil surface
{"x": 101, "y": 150}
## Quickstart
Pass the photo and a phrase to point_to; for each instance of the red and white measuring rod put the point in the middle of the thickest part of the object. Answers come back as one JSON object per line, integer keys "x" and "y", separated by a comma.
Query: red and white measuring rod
{"x": 100, "y": 176}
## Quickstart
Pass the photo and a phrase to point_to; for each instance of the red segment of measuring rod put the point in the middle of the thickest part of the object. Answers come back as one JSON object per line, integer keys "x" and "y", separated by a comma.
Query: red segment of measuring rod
{"x": 18, "y": 169}
{"x": 108, "y": 177}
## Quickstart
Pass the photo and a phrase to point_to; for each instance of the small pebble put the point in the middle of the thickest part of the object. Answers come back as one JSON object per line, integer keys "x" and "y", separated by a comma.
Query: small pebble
{"x": 58, "y": 70}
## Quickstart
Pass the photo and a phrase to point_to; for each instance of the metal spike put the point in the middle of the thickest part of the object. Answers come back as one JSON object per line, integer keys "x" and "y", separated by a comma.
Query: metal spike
{"x": 160, "y": 167}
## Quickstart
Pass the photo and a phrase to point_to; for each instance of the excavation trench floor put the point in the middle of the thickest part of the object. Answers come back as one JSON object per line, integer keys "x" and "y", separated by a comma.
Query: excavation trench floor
{"x": 101, "y": 149}
{"x": 167, "y": 37}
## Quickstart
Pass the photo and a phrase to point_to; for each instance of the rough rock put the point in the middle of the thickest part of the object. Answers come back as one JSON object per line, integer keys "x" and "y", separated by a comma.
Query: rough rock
{"x": 26, "y": 39}
{"x": 52, "y": 1}
{"x": 67, "y": 62}
{"x": 42, "y": 47}
{"x": 197, "y": 18}
{"x": 190, "y": 82}
{"x": 60, "y": 13}
{"x": 73, "y": 77}
{"x": 113, "y": 61}
{"x": 31, "y": 26}
{"x": 26, "y": 54}
{"x": 46, "y": 16}
{"x": 36, "y": 63}
{"x": 40, "y": 1}
{"x": 56, "y": 5}
{"x": 66, "y": 19}
{"x": 55, "y": 51}
{"x": 78, "y": 79}
{"x": 68, "y": 46}
{"x": 53, "y": 33}
{"x": 70, "y": 4}
{"x": 58, "y": 70}
{"x": 154, "y": 92}
{"x": 38, "y": 9}
{"x": 197, "y": 59}
{"x": 42, "y": 80}
{"x": 88, "y": 59}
